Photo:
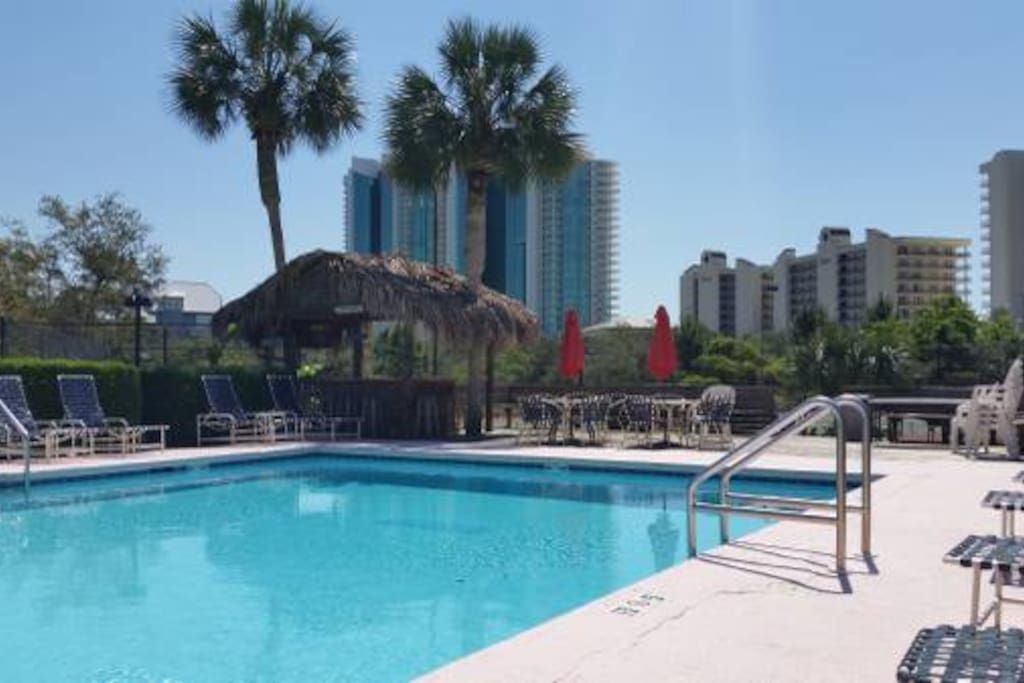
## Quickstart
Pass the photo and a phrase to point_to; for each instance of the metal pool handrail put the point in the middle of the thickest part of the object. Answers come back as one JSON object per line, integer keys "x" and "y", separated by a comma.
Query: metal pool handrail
{"x": 780, "y": 507}
{"x": 14, "y": 423}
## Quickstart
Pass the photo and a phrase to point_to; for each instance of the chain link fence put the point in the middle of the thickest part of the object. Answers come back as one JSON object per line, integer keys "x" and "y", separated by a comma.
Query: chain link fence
{"x": 159, "y": 345}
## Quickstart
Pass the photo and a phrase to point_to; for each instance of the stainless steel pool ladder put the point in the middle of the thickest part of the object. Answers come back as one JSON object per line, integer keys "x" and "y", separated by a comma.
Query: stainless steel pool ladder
{"x": 13, "y": 423}
{"x": 834, "y": 512}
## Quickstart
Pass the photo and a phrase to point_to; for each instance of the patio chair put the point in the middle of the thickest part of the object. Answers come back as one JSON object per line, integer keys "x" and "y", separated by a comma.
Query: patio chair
{"x": 83, "y": 410}
{"x": 284, "y": 391}
{"x": 712, "y": 417}
{"x": 539, "y": 419}
{"x": 992, "y": 409}
{"x": 965, "y": 653}
{"x": 46, "y": 438}
{"x": 228, "y": 422}
{"x": 639, "y": 415}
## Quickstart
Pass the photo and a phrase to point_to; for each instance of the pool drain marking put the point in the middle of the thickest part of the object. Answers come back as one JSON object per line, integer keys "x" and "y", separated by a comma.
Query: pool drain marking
{"x": 634, "y": 606}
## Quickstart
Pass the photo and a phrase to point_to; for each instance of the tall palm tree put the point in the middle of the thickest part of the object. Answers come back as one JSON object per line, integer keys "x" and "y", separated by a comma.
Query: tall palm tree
{"x": 280, "y": 67}
{"x": 493, "y": 114}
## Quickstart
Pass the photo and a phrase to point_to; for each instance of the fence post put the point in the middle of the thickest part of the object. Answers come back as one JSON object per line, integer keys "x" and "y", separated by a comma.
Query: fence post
{"x": 163, "y": 333}
{"x": 3, "y": 336}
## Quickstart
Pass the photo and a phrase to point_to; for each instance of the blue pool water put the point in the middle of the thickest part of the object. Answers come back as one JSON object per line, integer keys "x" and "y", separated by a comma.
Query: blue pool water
{"x": 319, "y": 568}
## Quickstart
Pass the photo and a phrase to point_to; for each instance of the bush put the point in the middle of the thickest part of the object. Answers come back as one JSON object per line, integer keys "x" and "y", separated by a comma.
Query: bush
{"x": 118, "y": 385}
{"x": 174, "y": 396}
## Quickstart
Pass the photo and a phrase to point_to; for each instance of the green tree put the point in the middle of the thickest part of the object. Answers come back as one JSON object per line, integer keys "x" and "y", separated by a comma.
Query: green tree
{"x": 100, "y": 252}
{"x": 493, "y": 115}
{"x": 396, "y": 354}
{"x": 691, "y": 340}
{"x": 943, "y": 337}
{"x": 279, "y": 66}
{"x": 27, "y": 271}
{"x": 999, "y": 344}
{"x": 887, "y": 344}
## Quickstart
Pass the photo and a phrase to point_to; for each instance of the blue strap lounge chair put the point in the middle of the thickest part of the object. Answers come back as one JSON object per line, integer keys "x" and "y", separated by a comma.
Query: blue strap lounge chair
{"x": 45, "y": 437}
{"x": 284, "y": 391}
{"x": 228, "y": 422}
{"x": 83, "y": 410}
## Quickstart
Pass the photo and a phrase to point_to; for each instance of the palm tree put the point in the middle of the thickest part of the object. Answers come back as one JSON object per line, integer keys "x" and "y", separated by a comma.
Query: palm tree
{"x": 492, "y": 115}
{"x": 281, "y": 68}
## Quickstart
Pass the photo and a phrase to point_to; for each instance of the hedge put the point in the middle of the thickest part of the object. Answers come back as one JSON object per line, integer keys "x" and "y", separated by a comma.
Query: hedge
{"x": 174, "y": 396}
{"x": 118, "y": 384}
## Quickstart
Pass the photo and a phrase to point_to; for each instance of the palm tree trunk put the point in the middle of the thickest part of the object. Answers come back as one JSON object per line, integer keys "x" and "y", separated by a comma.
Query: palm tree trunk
{"x": 270, "y": 193}
{"x": 476, "y": 248}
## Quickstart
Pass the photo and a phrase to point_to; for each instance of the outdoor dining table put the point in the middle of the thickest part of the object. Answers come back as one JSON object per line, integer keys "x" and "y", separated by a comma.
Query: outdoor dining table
{"x": 671, "y": 408}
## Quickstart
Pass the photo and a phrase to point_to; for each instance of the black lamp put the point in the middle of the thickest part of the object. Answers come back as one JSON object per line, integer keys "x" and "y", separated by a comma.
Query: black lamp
{"x": 137, "y": 300}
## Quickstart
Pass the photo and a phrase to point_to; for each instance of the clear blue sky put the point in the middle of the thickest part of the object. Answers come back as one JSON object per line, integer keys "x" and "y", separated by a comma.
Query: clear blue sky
{"x": 738, "y": 125}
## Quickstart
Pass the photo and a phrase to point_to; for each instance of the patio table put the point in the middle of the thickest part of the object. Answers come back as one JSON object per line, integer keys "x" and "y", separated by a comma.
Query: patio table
{"x": 936, "y": 411}
{"x": 671, "y": 408}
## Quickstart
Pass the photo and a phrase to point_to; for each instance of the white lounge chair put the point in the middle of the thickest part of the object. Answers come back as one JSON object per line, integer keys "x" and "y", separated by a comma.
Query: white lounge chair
{"x": 991, "y": 410}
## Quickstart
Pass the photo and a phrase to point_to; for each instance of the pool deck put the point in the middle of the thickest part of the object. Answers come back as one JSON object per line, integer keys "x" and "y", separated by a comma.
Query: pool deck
{"x": 768, "y": 607}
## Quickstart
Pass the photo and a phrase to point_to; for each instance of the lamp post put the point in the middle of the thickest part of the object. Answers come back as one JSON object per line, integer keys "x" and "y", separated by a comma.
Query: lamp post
{"x": 137, "y": 300}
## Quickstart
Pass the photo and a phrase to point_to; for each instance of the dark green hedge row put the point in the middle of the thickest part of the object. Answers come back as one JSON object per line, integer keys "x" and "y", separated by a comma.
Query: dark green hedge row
{"x": 118, "y": 384}
{"x": 167, "y": 396}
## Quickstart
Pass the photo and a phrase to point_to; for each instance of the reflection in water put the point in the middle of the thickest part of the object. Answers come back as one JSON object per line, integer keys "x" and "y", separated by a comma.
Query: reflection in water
{"x": 664, "y": 538}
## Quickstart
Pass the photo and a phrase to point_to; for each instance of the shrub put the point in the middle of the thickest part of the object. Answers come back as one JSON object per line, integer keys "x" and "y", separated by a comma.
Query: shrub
{"x": 118, "y": 384}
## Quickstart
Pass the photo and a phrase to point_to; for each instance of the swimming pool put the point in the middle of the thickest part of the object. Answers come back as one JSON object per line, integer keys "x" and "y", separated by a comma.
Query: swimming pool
{"x": 320, "y": 568}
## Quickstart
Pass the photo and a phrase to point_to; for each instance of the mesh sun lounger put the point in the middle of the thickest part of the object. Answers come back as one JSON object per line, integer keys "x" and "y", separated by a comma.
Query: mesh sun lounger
{"x": 1007, "y": 503}
{"x": 948, "y": 654}
{"x": 82, "y": 410}
{"x": 46, "y": 438}
{"x": 284, "y": 391}
{"x": 1003, "y": 556}
{"x": 228, "y": 422}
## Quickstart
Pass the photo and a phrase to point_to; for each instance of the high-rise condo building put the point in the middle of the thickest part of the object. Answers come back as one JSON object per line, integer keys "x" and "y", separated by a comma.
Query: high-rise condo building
{"x": 1002, "y": 233}
{"x": 840, "y": 277}
{"x": 552, "y": 245}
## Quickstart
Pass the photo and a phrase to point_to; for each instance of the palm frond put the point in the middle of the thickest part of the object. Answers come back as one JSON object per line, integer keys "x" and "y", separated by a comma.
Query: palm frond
{"x": 205, "y": 84}
{"x": 420, "y": 130}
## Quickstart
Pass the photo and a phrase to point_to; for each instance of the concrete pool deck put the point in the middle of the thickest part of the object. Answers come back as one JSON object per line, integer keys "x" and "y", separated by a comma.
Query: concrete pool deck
{"x": 768, "y": 607}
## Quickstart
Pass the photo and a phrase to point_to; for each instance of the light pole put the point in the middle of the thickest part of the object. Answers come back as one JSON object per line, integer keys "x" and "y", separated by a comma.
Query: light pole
{"x": 137, "y": 300}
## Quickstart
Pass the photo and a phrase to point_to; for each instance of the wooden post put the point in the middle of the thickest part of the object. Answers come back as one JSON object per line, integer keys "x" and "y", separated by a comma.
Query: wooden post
{"x": 357, "y": 352}
{"x": 489, "y": 390}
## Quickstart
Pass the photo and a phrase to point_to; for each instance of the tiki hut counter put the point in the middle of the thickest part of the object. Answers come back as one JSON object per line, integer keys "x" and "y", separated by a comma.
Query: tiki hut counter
{"x": 327, "y": 299}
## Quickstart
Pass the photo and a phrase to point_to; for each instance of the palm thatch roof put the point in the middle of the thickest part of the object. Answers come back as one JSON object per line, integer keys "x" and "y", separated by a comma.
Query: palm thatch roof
{"x": 322, "y": 293}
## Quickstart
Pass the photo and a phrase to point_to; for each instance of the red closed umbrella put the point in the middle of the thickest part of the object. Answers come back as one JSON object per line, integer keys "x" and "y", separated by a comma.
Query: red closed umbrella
{"x": 661, "y": 357}
{"x": 571, "y": 357}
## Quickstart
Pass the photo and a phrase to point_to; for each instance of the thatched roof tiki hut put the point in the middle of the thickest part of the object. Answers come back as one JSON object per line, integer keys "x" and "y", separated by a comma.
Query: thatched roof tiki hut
{"x": 326, "y": 298}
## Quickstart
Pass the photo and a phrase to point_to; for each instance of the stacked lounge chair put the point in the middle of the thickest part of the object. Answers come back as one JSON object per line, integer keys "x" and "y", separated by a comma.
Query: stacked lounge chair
{"x": 992, "y": 409}
{"x": 284, "y": 391}
{"x": 83, "y": 411}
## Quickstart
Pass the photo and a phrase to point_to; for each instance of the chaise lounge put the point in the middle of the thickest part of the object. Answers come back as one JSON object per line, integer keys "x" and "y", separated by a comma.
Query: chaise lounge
{"x": 228, "y": 422}
{"x": 83, "y": 411}
{"x": 284, "y": 391}
{"x": 46, "y": 438}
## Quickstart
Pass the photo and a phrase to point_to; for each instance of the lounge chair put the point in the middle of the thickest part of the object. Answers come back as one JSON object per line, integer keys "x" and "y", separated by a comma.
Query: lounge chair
{"x": 284, "y": 391}
{"x": 82, "y": 410}
{"x": 991, "y": 409}
{"x": 712, "y": 417}
{"x": 46, "y": 438}
{"x": 964, "y": 653}
{"x": 228, "y": 422}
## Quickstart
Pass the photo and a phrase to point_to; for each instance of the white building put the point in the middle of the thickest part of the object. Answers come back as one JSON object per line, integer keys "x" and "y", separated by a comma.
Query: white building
{"x": 1002, "y": 233}
{"x": 841, "y": 277}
